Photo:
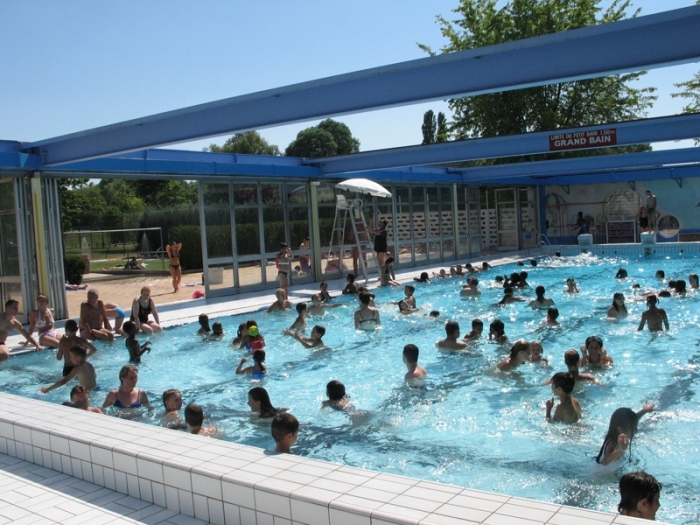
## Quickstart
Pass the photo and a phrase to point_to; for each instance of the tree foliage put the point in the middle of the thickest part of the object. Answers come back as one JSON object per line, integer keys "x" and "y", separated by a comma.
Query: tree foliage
{"x": 691, "y": 91}
{"x": 543, "y": 108}
{"x": 250, "y": 143}
{"x": 327, "y": 139}
{"x": 434, "y": 129}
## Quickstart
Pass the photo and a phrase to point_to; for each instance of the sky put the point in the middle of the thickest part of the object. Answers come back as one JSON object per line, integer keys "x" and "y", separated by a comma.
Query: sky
{"x": 78, "y": 64}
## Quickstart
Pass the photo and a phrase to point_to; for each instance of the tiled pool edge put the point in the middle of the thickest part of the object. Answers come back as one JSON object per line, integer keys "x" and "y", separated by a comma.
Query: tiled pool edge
{"x": 228, "y": 483}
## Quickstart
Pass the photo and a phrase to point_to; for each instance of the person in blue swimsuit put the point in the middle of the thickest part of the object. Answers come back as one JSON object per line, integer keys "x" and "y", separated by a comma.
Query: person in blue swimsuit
{"x": 127, "y": 395}
{"x": 258, "y": 370}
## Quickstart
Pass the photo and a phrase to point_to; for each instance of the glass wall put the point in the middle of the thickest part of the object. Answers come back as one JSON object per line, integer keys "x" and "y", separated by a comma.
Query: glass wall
{"x": 10, "y": 280}
{"x": 243, "y": 226}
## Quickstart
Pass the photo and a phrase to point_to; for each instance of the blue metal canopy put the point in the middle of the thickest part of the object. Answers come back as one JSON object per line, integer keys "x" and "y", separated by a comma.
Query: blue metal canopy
{"x": 646, "y": 42}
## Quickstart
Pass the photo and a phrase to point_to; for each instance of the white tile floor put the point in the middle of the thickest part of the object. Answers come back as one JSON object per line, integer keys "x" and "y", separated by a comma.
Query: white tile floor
{"x": 36, "y": 495}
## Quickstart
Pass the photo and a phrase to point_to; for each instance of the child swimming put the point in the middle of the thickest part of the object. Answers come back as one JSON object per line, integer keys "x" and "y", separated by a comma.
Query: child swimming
{"x": 622, "y": 428}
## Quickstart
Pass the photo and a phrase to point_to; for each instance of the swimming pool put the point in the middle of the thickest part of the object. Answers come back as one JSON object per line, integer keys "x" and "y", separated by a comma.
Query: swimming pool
{"x": 440, "y": 433}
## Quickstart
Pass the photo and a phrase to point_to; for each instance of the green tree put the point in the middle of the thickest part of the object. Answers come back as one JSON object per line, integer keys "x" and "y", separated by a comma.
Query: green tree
{"x": 442, "y": 134}
{"x": 543, "y": 108}
{"x": 691, "y": 90}
{"x": 429, "y": 127}
{"x": 328, "y": 139}
{"x": 166, "y": 193}
{"x": 250, "y": 143}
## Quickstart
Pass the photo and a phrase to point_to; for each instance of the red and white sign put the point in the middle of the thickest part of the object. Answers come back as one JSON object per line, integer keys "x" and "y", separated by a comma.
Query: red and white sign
{"x": 583, "y": 139}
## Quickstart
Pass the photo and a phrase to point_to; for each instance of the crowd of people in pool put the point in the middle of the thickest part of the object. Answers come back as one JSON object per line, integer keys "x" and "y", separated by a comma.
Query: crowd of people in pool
{"x": 640, "y": 491}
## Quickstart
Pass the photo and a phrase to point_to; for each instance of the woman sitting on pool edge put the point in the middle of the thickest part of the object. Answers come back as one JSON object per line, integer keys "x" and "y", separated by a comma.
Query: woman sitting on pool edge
{"x": 127, "y": 395}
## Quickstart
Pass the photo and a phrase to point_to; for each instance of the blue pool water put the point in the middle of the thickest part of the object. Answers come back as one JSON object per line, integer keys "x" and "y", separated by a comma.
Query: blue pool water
{"x": 470, "y": 426}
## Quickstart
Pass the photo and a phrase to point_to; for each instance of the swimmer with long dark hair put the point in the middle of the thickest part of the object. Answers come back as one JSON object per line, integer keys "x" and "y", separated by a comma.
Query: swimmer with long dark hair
{"x": 623, "y": 427}
{"x": 259, "y": 402}
{"x": 618, "y": 310}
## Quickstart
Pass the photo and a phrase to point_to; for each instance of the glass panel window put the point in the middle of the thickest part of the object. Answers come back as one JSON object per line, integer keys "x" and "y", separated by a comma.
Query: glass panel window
{"x": 245, "y": 194}
{"x": 7, "y": 196}
{"x": 445, "y": 194}
{"x": 462, "y": 219}
{"x": 220, "y": 276}
{"x": 250, "y": 273}
{"x": 418, "y": 193}
{"x": 9, "y": 255}
{"x": 297, "y": 193}
{"x": 271, "y": 193}
{"x": 326, "y": 193}
{"x": 431, "y": 193}
{"x": 434, "y": 217}
{"x": 402, "y": 194}
{"x": 420, "y": 252}
{"x": 418, "y": 220}
{"x": 273, "y": 224}
{"x": 247, "y": 231}
{"x": 448, "y": 249}
{"x": 218, "y": 227}
{"x": 215, "y": 194}
{"x": 298, "y": 225}
{"x": 405, "y": 254}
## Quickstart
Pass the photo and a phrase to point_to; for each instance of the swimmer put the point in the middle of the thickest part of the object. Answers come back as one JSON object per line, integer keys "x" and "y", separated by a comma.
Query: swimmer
{"x": 350, "y": 288}
{"x": 406, "y": 309}
{"x": 239, "y": 335}
{"x": 389, "y": 269}
{"x": 519, "y": 354}
{"x": 536, "y": 352}
{"x": 450, "y": 342}
{"x": 204, "y": 328}
{"x": 314, "y": 341}
{"x": 416, "y": 373}
{"x": 441, "y": 275}
{"x": 623, "y": 427}
{"x": 572, "y": 359}
{"x": 568, "y": 410}
{"x": 509, "y": 298}
{"x": 136, "y": 350}
{"x": 410, "y": 299}
{"x": 281, "y": 304}
{"x": 680, "y": 287}
{"x": 639, "y": 495}
{"x": 367, "y": 317}
{"x": 621, "y": 274}
{"x": 68, "y": 341}
{"x": 300, "y": 322}
{"x": 424, "y": 278}
{"x": 693, "y": 280}
{"x": 80, "y": 398}
{"x": 654, "y": 317}
{"x": 255, "y": 340}
{"x": 571, "y": 286}
{"x": 325, "y": 296}
{"x": 83, "y": 370}
{"x": 552, "y": 315}
{"x": 258, "y": 370}
{"x": 541, "y": 301}
{"x": 217, "y": 331}
{"x": 618, "y": 310}
{"x": 477, "y": 329}
{"x": 172, "y": 402}
{"x": 593, "y": 352}
{"x": 458, "y": 270}
{"x": 194, "y": 417}
{"x": 497, "y": 332}
{"x": 285, "y": 431}
{"x": 471, "y": 289}
{"x": 660, "y": 274}
{"x": 318, "y": 307}
{"x": 259, "y": 403}
{"x": 337, "y": 398}
{"x": 522, "y": 283}
{"x": 485, "y": 266}
{"x": 470, "y": 268}
{"x": 363, "y": 289}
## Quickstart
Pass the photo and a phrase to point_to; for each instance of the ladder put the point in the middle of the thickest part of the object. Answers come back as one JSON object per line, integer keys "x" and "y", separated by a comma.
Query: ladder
{"x": 351, "y": 209}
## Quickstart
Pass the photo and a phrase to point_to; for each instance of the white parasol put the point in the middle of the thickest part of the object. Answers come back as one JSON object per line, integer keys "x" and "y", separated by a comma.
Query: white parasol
{"x": 365, "y": 186}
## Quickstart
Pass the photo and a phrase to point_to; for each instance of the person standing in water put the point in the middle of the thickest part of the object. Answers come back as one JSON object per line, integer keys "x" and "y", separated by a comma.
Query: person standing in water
{"x": 654, "y": 317}
{"x": 173, "y": 250}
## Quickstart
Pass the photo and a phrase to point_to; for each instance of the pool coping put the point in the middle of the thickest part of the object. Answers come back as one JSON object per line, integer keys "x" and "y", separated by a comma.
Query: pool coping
{"x": 228, "y": 483}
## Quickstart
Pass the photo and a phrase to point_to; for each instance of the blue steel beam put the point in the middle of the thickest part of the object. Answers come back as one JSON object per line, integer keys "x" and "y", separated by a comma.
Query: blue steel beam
{"x": 645, "y": 42}
{"x": 628, "y": 133}
{"x": 579, "y": 166}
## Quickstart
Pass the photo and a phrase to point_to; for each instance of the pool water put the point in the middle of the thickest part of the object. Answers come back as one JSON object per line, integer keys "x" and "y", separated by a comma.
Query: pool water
{"x": 471, "y": 426}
